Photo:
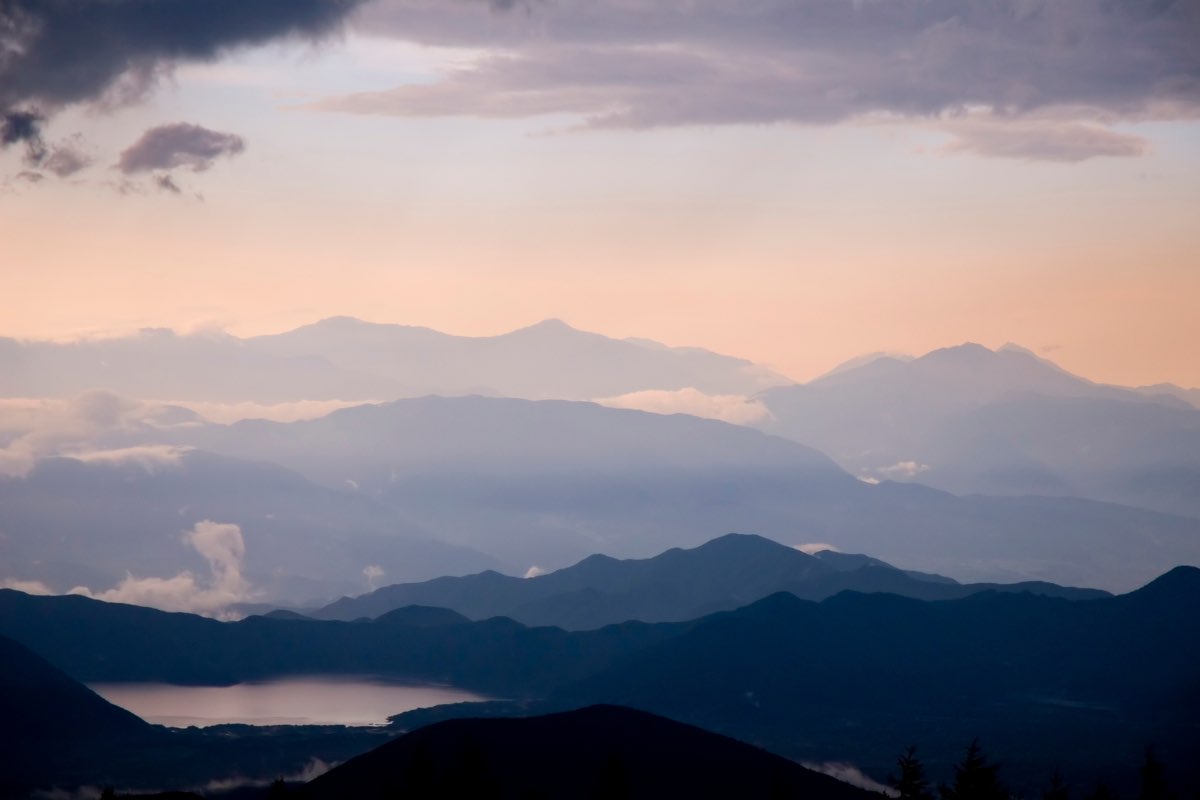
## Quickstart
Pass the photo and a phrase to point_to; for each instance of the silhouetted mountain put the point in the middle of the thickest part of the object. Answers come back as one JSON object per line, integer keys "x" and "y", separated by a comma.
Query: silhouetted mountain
{"x": 345, "y": 358}
{"x": 971, "y": 420}
{"x": 95, "y": 641}
{"x": 36, "y": 698}
{"x": 723, "y": 574}
{"x": 1085, "y": 684}
{"x": 50, "y": 723}
{"x": 600, "y": 751}
{"x": 57, "y": 733}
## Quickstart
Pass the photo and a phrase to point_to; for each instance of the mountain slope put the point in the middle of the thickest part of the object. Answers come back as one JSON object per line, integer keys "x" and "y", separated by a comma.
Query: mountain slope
{"x": 49, "y": 723}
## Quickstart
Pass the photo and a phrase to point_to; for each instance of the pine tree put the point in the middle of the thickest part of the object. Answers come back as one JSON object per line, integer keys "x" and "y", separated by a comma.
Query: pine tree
{"x": 1057, "y": 790}
{"x": 911, "y": 783}
{"x": 1154, "y": 779}
{"x": 975, "y": 778}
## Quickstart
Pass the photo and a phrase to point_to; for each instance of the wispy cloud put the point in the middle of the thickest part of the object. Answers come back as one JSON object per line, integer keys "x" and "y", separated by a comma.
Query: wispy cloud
{"x": 812, "y": 548}
{"x": 848, "y": 773}
{"x": 903, "y": 469}
{"x": 88, "y": 428}
{"x": 734, "y": 408}
{"x": 179, "y": 145}
{"x": 222, "y": 546}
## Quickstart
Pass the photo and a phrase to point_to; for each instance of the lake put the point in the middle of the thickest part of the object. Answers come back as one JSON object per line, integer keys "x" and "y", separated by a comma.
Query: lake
{"x": 286, "y": 701}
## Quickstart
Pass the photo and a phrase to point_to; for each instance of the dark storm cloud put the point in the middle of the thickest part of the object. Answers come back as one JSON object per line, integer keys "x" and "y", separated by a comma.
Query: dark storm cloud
{"x": 181, "y": 144}
{"x": 58, "y": 52}
{"x": 651, "y": 63}
{"x": 22, "y": 126}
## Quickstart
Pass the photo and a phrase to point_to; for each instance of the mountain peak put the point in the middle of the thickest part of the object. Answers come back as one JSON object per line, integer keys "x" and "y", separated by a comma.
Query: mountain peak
{"x": 551, "y": 325}
{"x": 1181, "y": 584}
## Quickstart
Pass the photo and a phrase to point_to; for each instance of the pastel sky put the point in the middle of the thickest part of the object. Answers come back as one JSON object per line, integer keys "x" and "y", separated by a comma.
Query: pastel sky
{"x": 792, "y": 181}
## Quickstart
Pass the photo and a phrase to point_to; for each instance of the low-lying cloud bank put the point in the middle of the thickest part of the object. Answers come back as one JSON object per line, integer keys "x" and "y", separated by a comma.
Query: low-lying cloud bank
{"x": 222, "y": 546}
{"x": 99, "y": 426}
{"x": 733, "y": 408}
{"x": 91, "y": 427}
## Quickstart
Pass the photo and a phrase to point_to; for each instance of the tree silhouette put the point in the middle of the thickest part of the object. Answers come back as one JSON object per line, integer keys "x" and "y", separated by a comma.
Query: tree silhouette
{"x": 1058, "y": 789}
{"x": 1101, "y": 792}
{"x": 1154, "y": 779}
{"x": 911, "y": 783}
{"x": 975, "y": 778}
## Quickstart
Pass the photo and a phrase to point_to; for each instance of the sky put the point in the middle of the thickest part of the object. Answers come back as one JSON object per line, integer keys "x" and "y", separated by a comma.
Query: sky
{"x": 792, "y": 181}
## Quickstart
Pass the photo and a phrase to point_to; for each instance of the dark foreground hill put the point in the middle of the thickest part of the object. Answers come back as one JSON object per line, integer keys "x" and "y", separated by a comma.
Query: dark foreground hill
{"x": 57, "y": 733}
{"x": 601, "y": 751}
{"x": 50, "y": 723}
{"x": 723, "y": 574}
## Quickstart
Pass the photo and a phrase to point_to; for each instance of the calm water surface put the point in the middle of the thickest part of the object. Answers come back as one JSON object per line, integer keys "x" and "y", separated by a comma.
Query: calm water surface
{"x": 287, "y": 701}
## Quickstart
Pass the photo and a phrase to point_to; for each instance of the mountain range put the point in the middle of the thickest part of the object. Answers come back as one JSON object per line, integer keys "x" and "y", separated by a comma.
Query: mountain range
{"x": 348, "y": 359}
{"x": 1006, "y": 422}
{"x": 720, "y": 575}
{"x": 1084, "y": 684}
{"x": 419, "y": 488}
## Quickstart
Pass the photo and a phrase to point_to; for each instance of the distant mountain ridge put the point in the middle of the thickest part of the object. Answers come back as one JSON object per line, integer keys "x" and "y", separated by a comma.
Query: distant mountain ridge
{"x": 723, "y": 574}
{"x": 1006, "y": 422}
{"x": 348, "y": 359}
{"x": 413, "y": 489}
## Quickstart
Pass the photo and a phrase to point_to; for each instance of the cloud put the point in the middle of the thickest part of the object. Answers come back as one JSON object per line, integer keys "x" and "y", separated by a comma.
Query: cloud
{"x": 222, "y": 546}
{"x": 112, "y": 52}
{"x": 733, "y": 408}
{"x": 372, "y": 572}
{"x": 89, "y": 427}
{"x": 167, "y": 184}
{"x": 150, "y": 457}
{"x": 23, "y": 127}
{"x": 1042, "y": 141}
{"x": 813, "y": 548}
{"x": 292, "y": 411}
{"x": 180, "y": 144}
{"x": 28, "y": 587}
{"x": 903, "y": 469}
{"x": 314, "y": 769}
{"x": 848, "y": 773}
{"x": 639, "y": 64}
{"x": 66, "y": 158}
{"x": 534, "y": 571}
